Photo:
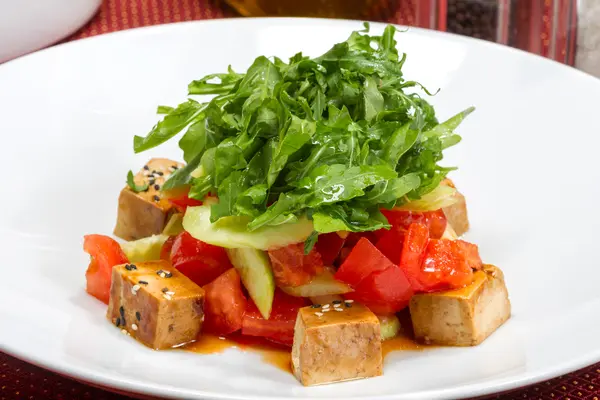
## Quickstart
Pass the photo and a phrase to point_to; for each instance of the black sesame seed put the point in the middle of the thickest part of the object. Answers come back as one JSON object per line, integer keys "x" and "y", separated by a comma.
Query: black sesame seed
{"x": 156, "y": 187}
{"x": 156, "y": 198}
{"x": 160, "y": 173}
{"x": 174, "y": 167}
{"x": 142, "y": 282}
{"x": 118, "y": 322}
{"x": 337, "y": 302}
{"x": 160, "y": 271}
{"x": 168, "y": 274}
{"x": 164, "y": 290}
{"x": 316, "y": 306}
{"x": 151, "y": 182}
{"x": 122, "y": 312}
{"x": 130, "y": 267}
{"x": 348, "y": 305}
{"x": 147, "y": 168}
{"x": 138, "y": 315}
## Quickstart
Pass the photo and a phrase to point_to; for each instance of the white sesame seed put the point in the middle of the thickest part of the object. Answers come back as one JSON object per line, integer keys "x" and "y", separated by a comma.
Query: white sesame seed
{"x": 326, "y": 309}
{"x": 319, "y": 314}
{"x": 337, "y": 305}
{"x": 134, "y": 289}
{"x": 170, "y": 293}
{"x": 134, "y": 327}
{"x": 339, "y": 309}
{"x": 162, "y": 275}
{"x": 222, "y": 338}
{"x": 166, "y": 296}
{"x": 124, "y": 332}
{"x": 349, "y": 301}
{"x": 326, "y": 306}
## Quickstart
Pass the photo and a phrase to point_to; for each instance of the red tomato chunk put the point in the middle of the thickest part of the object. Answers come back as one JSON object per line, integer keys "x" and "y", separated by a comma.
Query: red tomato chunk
{"x": 224, "y": 304}
{"x": 292, "y": 268}
{"x": 199, "y": 261}
{"x": 329, "y": 246}
{"x": 105, "y": 253}
{"x": 279, "y": 328}
{"x": 384, "y": 292}
{"x": 363, "y": 260}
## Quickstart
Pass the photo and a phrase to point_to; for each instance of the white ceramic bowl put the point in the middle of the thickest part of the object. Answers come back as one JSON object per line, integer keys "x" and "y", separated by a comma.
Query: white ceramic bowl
{"x": 29, "y": 25}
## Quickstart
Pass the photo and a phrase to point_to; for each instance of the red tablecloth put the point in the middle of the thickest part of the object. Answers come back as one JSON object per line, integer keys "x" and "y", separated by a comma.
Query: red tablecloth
{"x": 20, "y": 380}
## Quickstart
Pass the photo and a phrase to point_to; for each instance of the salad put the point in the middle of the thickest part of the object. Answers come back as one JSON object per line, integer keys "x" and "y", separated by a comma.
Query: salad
{"x": 311, "y": 208}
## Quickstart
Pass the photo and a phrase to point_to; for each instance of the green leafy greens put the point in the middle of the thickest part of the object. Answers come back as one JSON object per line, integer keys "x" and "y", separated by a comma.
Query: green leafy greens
{"x": 133, "y": 186}
{"x": 334, "y": 138}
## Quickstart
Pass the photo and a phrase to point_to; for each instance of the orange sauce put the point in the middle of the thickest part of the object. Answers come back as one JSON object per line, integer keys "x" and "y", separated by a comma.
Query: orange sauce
{"x": 276, "y": 355}
{"x": 281, "y": 357}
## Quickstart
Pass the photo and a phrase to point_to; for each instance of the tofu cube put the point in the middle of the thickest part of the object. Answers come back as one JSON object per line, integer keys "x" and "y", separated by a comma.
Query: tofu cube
{"x": 462, "y": 317}
{"x": 145, "y": 213}
{"x": 341, "y": 344}
{"x": 155, "y": 304}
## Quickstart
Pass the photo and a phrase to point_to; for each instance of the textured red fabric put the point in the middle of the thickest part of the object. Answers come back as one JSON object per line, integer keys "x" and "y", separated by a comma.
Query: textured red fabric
{"x": 20, "y": 380}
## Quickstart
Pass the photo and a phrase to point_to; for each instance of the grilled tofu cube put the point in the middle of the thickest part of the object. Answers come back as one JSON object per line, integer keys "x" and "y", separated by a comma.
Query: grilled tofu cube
{"x": 456, "y": 214}
{"x": 341, "y": 344}
{"x": 156, "y": 304}
{"x": 145, "y": 213}
{"x": 462, "y": 317}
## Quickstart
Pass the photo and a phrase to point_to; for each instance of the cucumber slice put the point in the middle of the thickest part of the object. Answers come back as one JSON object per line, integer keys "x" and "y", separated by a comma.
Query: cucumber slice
{"x": 390, "y": 326}
{"x": 231, "y": 232}
{"x": 255, "y": 270}
{"x": 322, "y": 285}
{"x": 146, "y": 249}
{"x": 175, "y": 225}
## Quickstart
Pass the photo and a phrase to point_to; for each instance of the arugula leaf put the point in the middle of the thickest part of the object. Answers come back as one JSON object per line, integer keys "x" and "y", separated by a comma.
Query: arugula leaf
{"x": 297, "y": 135}
{"x": 373, "y": 100}
{"x": 171, "y": 125}
{"x": 327, "y": 184}
{"x": 132, "y": 185}
{"x": 226, "y": 83}
{"x": 337, "y": 218}
{"x": 182, "y": 176}
{"x": 310, "y": 242}
{"x": 164, "y": 109}
{"x": 399, "y": 143}
{"x": 334, "y": 138}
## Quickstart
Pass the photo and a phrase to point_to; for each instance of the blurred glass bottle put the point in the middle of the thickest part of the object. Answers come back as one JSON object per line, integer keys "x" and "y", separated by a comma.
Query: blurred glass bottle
{"x": 544, "y": 27}
{"x": 422, "y": 13}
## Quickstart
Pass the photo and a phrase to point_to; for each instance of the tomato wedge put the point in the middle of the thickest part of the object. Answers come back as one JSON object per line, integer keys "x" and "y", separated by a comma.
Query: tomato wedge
{"x": 444, "y": 267}
{"x": 435, "y": 220}
{"x": 470, "y": 252}
{"x": 224, "y": 304}
{"x": 390, "y": 243}
{"x": 292, "y": 268}
{"x": 199, "y": 261}
{"x": 384, "y": 292}
{"x": 279, "y": 328}
{"x": 105, "y": 253}
{"x": 413, "y": 250}
{"x": 363, "y": 260}
{"x": 183, "y": 202}
{"x": 165, "y": 250}
{"x": 329, "y": 246}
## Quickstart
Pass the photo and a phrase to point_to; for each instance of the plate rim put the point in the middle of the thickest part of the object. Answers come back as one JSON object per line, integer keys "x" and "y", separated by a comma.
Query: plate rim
{"x": 137, "y": 386}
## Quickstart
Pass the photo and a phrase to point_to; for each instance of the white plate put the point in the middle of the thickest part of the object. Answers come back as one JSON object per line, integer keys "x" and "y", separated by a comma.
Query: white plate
{"x": 28, "y": 25}
{"x": 528, "y": 165}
